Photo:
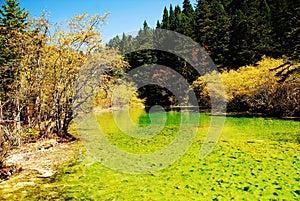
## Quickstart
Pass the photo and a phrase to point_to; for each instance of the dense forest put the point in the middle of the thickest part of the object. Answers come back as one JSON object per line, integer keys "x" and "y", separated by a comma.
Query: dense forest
{"x": 255, "y": 45}
{"x": 235, "y": 33}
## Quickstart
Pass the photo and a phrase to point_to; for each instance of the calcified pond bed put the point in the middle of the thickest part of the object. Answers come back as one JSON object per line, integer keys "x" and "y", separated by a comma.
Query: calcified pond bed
{"x": 254, "y": 159}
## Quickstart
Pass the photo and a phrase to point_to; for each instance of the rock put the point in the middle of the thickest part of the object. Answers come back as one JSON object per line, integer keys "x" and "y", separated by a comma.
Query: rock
{"x": 18, "y": 157}
{"x": 21, "y": 184}
{"x": 46, "y": 174}
{"x": 43, "y": 173}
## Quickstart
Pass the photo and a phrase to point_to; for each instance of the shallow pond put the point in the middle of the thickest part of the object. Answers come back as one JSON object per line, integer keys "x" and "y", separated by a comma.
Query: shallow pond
{"x": 254, "y": 159}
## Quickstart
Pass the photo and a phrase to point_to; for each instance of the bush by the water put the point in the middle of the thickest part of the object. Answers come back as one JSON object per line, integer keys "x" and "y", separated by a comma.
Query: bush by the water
{"x": 256, "y": 89}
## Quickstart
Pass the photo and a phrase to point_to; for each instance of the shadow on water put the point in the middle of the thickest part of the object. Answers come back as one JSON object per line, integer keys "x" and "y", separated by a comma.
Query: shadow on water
{"x": 252, "y": 115}
{"x": 173, "y": 109}
{"x": 171, "y": 116}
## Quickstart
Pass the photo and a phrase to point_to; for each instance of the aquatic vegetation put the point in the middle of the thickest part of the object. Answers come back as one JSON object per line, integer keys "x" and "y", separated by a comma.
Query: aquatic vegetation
{"x": 255, "y": 159}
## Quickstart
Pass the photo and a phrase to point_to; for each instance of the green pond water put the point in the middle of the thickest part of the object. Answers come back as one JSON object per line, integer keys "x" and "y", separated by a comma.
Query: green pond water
{"x": 254, "y": 159}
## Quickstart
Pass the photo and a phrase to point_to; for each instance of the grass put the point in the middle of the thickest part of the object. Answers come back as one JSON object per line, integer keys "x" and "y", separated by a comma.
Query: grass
{"x": 255, "y": 159}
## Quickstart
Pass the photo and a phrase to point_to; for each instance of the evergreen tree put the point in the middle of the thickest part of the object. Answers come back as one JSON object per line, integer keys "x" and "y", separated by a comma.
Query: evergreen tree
{"x": 165, "y": 20}
{"x": 250, "y": 37}
{"x": 188, "y": 24}
{"x": 114, "y": 42}
{"x": 178, "y": 20}
{"x": 285, "y": 24}
{"x": 188, "y": 9}
{"x": 146, "y": 28}
{"x": 177, "y": 10}
{"x": 144, "y": 39}
{"x": 285, "y": 15}
{"x": 236, "y": 32}
{"x": 126, "y": 43}
{"x": 213, "y": 29}
{"x": 12, "y": 16}
{"x": 12, "y": 25}
{"x": 158, "y": 25}
{"x": 172, "y": 18}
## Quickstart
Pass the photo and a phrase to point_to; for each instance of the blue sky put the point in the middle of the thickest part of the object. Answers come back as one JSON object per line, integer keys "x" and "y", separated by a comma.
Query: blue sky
{"x": 126, "y": 16}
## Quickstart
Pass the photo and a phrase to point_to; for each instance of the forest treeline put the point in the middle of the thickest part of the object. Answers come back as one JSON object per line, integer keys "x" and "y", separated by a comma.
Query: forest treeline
{"x": 243, "y": 38}
{"x": 235, "y": 32}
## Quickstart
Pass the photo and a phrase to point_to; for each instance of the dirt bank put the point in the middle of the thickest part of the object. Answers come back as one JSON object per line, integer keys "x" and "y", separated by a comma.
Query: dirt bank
{"x": 37, "y": 160}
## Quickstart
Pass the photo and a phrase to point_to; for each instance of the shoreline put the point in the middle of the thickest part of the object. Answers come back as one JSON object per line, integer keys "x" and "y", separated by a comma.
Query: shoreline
{"x": 35, "y": 161}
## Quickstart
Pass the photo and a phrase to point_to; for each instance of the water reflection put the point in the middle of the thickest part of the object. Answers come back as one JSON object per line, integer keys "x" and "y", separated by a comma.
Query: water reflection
{"x": 175, "y": 109}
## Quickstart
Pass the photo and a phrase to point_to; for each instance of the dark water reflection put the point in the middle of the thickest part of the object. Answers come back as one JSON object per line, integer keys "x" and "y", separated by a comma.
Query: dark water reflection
{"x": 172, "y": 109}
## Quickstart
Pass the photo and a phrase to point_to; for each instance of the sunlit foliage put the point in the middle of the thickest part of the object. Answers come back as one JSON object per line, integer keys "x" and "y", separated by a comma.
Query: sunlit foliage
{"x": 253, "y": 88}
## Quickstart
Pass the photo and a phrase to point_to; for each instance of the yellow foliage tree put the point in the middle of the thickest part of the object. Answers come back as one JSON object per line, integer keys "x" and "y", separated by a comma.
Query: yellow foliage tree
{"x": 250, "y": 88}
{"x": 51, "y": 66}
